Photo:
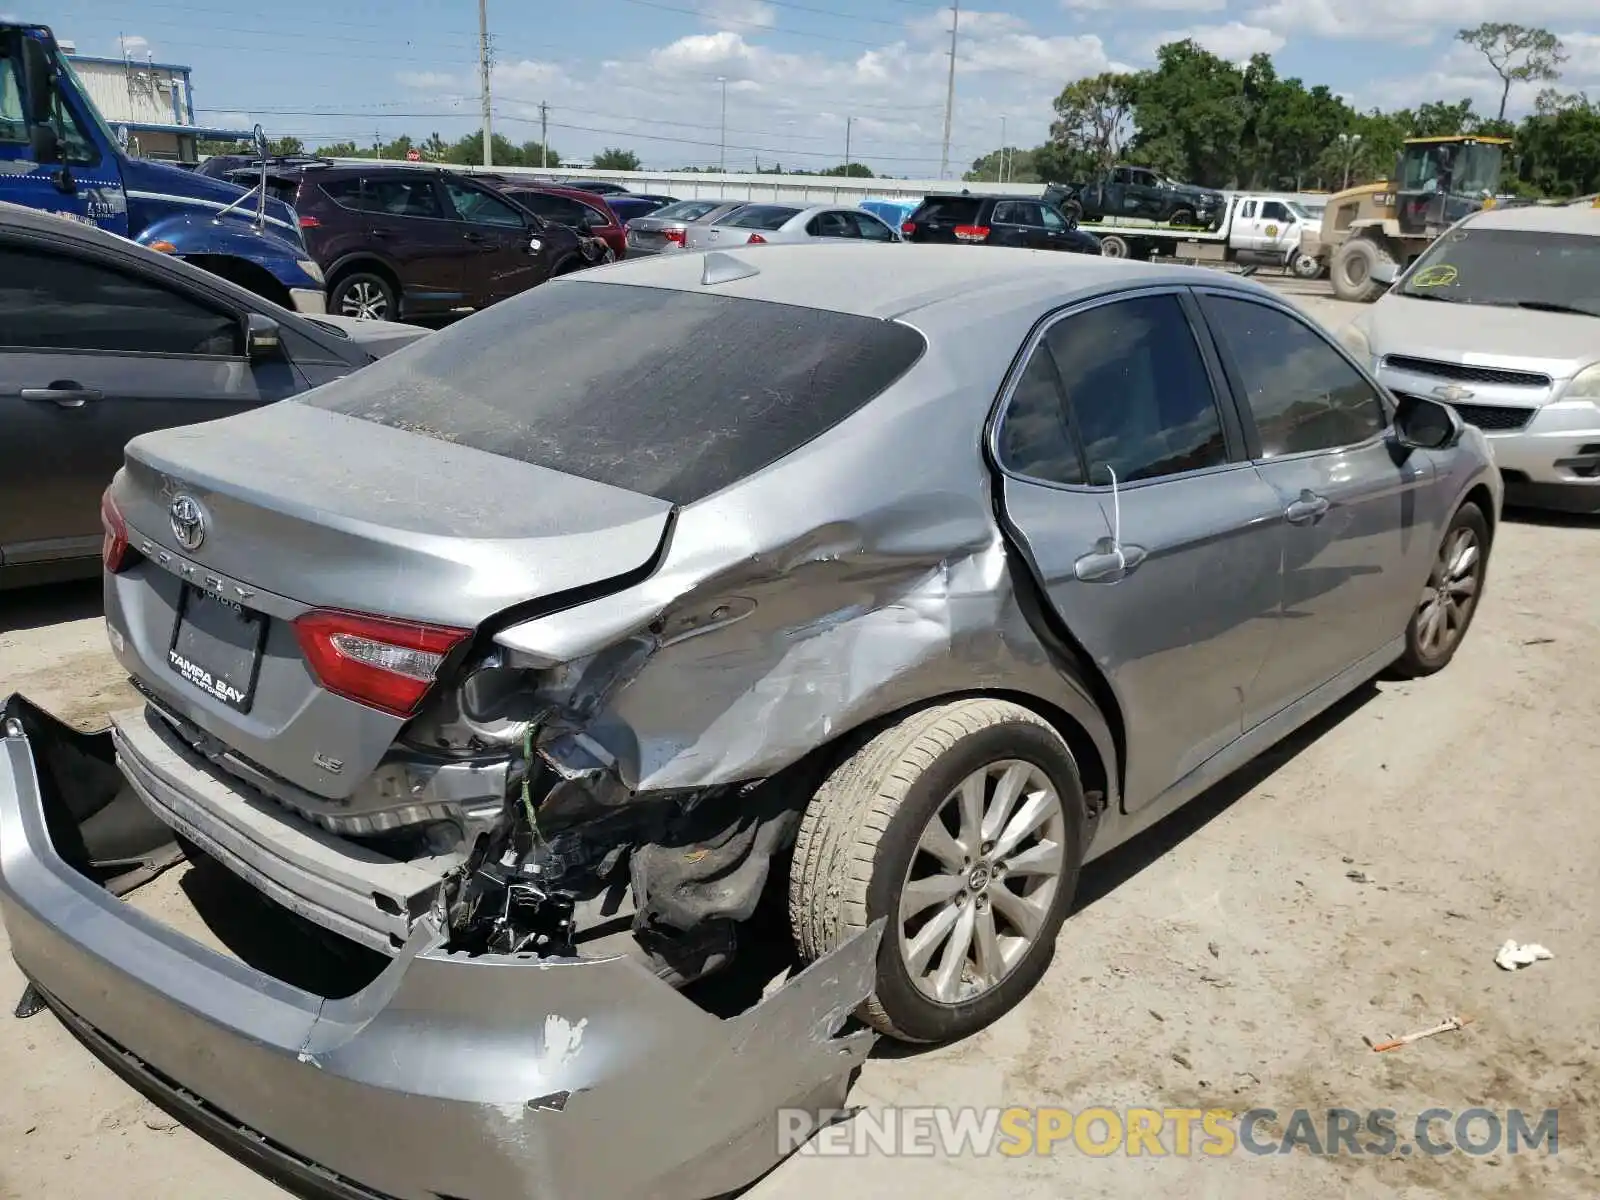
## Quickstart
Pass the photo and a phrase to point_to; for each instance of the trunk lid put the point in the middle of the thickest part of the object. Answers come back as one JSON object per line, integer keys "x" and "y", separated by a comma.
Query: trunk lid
{"x": 337, "y": 512}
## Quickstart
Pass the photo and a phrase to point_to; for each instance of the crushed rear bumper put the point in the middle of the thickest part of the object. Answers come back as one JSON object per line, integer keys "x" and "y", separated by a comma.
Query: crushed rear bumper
{"x": 447, "y": 1076}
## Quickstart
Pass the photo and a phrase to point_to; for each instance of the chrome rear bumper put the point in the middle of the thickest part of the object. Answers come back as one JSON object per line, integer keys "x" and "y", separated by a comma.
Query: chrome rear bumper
{"x": 475, "y": 1078}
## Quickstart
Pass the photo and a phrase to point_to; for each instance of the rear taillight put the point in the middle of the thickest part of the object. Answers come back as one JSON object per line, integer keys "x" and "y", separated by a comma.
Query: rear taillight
{"x": 115, "y": 553}
{"x": 908, "y": 228}
{"x": 755, "y": 239}
{"x": 310, "y": 223}
{"x": 383, "y": 663}
{"x": 676, "y": 236}
{"x": 972, "y": 233}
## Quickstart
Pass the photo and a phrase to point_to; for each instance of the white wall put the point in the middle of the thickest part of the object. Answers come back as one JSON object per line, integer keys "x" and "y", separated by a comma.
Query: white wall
{"x": 134, "y": 93}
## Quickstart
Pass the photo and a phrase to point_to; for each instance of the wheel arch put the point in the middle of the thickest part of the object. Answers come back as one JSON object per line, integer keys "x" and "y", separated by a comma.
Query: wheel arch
{"x": 364, "y": 260}
{"x": 253, "y": 277}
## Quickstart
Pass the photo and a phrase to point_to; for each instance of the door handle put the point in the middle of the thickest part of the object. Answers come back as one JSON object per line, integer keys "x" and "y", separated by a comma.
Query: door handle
{"x": 383, "y": 233}
{"x": 1104, "y": 564}
{"x": 1309, "y": 508}
{"x": 64, "y": 394}
{"x": 474, "y": 237}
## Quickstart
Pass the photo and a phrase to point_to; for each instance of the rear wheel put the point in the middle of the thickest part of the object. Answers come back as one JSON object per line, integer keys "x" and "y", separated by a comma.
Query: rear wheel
{"x": 1353, "y": 268}
{"x": 963, "y": 827}
{"x": 1450, "y": 596}
{"x": 363, "y": 294}
{"x": 1184, "y": 216}
{"x": 1305, "y": 266}
{"x": 1112, "y": 246}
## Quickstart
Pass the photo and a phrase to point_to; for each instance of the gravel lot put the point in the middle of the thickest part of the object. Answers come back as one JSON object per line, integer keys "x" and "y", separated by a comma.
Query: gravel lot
{"x": 1355, "y": 883}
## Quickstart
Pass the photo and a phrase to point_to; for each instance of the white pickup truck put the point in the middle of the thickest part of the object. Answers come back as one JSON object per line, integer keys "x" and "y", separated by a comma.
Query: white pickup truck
{"x": 1256, "y": 230}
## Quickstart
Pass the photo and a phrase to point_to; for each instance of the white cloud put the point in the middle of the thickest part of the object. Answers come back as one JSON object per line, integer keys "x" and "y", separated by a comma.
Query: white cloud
{"x": 427, "y": 81}
{"x": 1234, "y": 41}
{"x": 742, "y": 14}
{"x": 1582, "y": 68}
{"x": 133, "y": 46}
{"x": 974, "y": 23}
{"x": 1461, "y": 73}
{"x": 1081, "y": 6}
{"x": 1413, "y": 20}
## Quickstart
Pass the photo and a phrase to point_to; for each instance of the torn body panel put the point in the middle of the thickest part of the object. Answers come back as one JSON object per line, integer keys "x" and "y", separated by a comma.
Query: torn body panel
{"x": 471, "y": 1077}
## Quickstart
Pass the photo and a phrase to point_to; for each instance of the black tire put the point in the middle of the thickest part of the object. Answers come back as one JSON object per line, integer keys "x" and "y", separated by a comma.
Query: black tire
{"x": 1112, "y": 246}
{"x": 363, "y": 293}
{"x": 1352, "y": 269}
{"x": 1305, "y": 266}
{"x": 1450, "y": 591}
{"x": 1184, "y": 216}
{"x": 862, "y": 836}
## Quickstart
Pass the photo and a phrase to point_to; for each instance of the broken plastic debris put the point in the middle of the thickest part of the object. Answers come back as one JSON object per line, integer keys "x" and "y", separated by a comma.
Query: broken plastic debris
{"x": 1510, "y": 956}
{"x": 1445, "y": 1026}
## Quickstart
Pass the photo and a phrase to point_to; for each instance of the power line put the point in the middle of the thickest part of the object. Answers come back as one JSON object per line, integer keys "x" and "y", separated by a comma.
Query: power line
{"x": 691, "y": 12}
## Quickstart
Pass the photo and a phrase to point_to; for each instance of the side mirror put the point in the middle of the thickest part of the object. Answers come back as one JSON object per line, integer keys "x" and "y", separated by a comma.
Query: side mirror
{"x": 39, "y": 78}
{"x": 263, "y": 338}
{"x": 1421, "y": 424}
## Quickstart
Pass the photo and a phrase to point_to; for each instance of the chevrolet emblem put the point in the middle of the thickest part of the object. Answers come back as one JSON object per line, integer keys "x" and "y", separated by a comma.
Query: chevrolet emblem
{"x": 1453, "y": 393}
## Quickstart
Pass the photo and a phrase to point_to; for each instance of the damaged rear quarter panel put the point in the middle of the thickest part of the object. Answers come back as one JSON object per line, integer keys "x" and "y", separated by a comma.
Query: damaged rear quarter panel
{"x": 864, "y": 573}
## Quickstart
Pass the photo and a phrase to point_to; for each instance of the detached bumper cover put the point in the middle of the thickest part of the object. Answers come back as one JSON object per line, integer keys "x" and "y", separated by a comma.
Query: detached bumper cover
{"x": 471, "y": 1078}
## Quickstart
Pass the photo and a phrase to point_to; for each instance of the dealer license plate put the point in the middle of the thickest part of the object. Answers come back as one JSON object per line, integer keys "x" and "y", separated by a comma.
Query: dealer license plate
{"x": 216, "y": 647}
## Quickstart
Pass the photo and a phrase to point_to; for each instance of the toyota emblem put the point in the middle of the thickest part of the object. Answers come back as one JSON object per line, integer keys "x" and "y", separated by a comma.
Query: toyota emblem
{"x": 188, "y": 521}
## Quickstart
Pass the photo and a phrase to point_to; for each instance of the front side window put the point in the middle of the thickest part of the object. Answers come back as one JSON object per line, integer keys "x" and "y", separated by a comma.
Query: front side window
{"x": 1138, "y": 389}
{"x": 870, "y": 228}
{"x": 1302, "y": 392}
{"x": 1273, "y": 210}
{"x": 480, "y": 208}
{"x": 52, "y": 301}
{"x": 76, "y": 144}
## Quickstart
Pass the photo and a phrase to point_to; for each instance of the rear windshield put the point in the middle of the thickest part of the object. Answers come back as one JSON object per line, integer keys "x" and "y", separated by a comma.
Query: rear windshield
{"x": 686, "y": 210}
{"x": 959, "y": 210}
{"x": 761, "y": 216}
{"x": 669, "y": 393}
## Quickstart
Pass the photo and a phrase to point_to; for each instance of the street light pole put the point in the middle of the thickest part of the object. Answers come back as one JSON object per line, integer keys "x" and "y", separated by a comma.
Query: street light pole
{"x": 483, "y": 71}
{"x": 722, "y": 160}
{"x": 950, "y": 89}
{"x": 1000, "y": 173}
{"x": 848, "y": 121}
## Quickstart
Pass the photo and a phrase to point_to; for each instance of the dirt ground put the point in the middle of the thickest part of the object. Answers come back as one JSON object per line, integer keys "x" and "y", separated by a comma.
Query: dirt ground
{"x": 1355, "y": 883}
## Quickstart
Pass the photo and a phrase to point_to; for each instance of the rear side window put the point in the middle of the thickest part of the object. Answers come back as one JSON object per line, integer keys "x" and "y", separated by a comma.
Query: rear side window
{"x": 52, "y": 301}
{"x": 762, "y": 216}
{"x": 954, "y": 210}
{"x": 673, "y": 394}
{"x": 1138, "y": 389}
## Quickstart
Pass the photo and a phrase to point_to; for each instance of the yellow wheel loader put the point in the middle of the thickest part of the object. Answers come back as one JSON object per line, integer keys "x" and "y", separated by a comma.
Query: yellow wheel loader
{"x": 1370, "y": 234}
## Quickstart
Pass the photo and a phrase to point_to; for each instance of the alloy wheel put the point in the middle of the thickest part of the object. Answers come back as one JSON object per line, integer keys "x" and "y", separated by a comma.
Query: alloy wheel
{"x": 981, "y": 881}
{"x": 365, "y": 300}
{"x": 1450, "y": 593}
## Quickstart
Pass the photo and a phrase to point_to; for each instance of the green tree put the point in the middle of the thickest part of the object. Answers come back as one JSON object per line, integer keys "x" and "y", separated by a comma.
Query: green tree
{"x": 468, "y": 151}
{"x": 1013, "y": 163}
{"x": 1560, "y": 145}
{"x": 435, "y": 148}
{"x": 853, "y": 170}
{"x": 340, "y": 150}
{"x": 1094, "y": 119}
{"x": 615, "y": 159}
{"x": 1190, "y": 114}
{"x": 1518, "y": 54}
{"x": 286, "y": 146}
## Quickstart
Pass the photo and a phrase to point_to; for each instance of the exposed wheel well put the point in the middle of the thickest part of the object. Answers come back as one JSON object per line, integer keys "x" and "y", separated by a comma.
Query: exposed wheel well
{"x": 248, "y": 275}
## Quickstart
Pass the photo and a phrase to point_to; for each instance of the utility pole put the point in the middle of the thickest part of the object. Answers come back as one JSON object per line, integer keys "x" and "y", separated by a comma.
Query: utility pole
{"x": 848, "y": 121}
{"x": 1000, "y": 173}
{"x": 544, "y": 134}
{"x": 722, "y": 158}
{"x": 950, "y": 89}
{"x": 483, "y": 72}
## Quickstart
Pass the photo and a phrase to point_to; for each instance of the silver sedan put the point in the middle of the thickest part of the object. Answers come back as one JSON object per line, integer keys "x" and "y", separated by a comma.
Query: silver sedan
{"x": 664, "y": 230}
{"x": 531, "y": 666}
{"x": 757, "y": 224}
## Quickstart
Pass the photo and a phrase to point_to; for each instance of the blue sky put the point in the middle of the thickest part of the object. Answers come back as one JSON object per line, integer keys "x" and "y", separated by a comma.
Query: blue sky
{"x": 643, "y": 74}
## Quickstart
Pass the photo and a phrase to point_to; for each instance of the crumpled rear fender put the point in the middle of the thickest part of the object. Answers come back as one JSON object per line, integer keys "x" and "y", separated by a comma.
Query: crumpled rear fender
{"x": 690, "y": 680}
{"x": 470, "y": 1077}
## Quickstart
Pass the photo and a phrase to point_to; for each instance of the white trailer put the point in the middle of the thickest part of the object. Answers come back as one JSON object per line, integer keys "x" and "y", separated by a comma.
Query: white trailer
{"x": 1256, "y": 230}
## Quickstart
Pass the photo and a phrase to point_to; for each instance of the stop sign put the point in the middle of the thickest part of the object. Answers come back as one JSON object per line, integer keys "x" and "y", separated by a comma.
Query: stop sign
{"x": 413, "y": 156}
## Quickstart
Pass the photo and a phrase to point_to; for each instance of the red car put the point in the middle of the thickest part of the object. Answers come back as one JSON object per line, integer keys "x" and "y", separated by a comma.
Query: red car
{"x": 583, "y": 211}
